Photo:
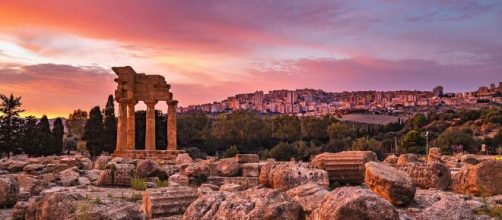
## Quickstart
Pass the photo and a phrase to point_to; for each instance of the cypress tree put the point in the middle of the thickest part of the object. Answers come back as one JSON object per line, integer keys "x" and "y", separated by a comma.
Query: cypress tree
{"x": 30, "y": 136}
{"x": 10, "y": 123}
{"x": 160, "y": 130}
{"x": 140, "y": 126}
{"x": 94, "y": 132}
{"x": 57, "y": 134}
{"x": 110, "y": 126}
{"x": 45, "y": 140}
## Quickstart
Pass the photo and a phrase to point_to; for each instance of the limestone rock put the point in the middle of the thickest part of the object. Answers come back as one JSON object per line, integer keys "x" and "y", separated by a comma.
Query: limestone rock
{"x": 205, "y": 207}
{"x": 30, "y": 184}
{"x": 481, "y": 179}
{"x": 183, "y": 158}
{"x": 149, "y": 168}
{"x": 344, "y": 167}
{"x": 54, "y": 206}
{"x": 407, "y": 158}
{"x": 228, "y": 167}
{"x": 354, "y": 203}
{"x": 16, "y": 166}
{"x": 284, "y": 176}
{"x": 247, "y": 158}
{"x": 122, "y": 174}
{"x": 123, "y": 160}
{"x": 105, "y": 178}
{"x": 167, "y": 201}
{"x": 391, "y": 184}
{"x": 447, "y": 208}
{"x": 101, "y": 162}
{"x": 211, "y": 186}
{"x": 48, "y": 177}
{"x": 110, "y": 211}
{"x": 231, "y": 187}
{"x": 251, "y": 169}
{"x": 195, "y": 170}
{"x": 434, "y": 155}
{"x": 69, "y": 177}
{"x": 19, "y": 211}
{"x": 171, "y": 169}
{"x": 85, "y": 163}
{"x": 309, "y": 196}
{"x": 254, "y": 203}
{"x": 428, "y": 175}
{"x": 34, "y": 168}
{"x": 92, "y": 174}
{"x": 391, "y": 160}
{"x": 9, "y": 191}
{"x": 206, "y": 188}
{"x": 178, "y": 179}
{"x": 469, "y": 159}
{"x": 84, "y": 181}
{"x": 69, "y": 161}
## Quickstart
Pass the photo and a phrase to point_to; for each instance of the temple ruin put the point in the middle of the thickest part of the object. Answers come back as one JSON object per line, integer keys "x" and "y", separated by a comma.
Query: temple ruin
{"x": 133, "y": 87}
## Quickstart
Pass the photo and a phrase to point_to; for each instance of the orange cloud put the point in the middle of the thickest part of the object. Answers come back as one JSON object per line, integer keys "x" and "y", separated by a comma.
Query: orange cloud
{"x": 56, "y": 90}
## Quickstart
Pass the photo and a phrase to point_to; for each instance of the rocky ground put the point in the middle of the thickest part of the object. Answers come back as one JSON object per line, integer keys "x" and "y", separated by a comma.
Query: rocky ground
{"x": 345, "y": 185}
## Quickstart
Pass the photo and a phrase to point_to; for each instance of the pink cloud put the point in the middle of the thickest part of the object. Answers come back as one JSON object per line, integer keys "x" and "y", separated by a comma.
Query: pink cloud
{"x": 57, "y": 90}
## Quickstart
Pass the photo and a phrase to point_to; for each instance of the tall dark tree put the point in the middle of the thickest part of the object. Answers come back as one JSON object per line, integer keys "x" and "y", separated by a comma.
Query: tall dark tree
{"x": 10, "y": 123}
{"x": 30, "y": 136}
{"x": 286, "y": 128}
{"x": 94, "y": 132}
{"x": 45, "y": 140}
{"x": 110, "y": 126}
{"x": 57, "y": 134}
{"x": 193, "y": 129}
{"x": 76, "y": 122}
{"x": 140, "y": 128}
{"x": 160, "y": 131}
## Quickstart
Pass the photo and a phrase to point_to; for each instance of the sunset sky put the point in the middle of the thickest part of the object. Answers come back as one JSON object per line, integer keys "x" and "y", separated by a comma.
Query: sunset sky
{"x": 58, "y": 55}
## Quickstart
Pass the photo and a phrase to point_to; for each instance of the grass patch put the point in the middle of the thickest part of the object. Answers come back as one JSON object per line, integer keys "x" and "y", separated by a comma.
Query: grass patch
{"x": 135, "y": 196}
{"x": 138, "y": 183}
{"x": 161, "y": 183}
{"x": 94, "y": 189}
{"x": 495, "y": 212}
{"x": 83, "y": 209}
{"x": 97, "y": 201}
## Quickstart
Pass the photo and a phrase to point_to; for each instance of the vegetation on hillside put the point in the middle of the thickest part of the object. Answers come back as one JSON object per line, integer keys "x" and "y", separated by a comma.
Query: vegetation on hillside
{"x": 279, "y": 136}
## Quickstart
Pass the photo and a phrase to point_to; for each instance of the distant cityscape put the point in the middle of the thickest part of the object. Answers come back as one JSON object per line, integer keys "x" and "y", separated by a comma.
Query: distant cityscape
{"x": 312, "y": 102}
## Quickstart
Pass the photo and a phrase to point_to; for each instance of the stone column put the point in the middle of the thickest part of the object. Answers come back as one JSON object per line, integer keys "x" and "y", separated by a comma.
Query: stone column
{"x": 131, "y": 123}
{"x": 121, "y": 126}
{"x": 171, "y": 125}
{"x": 150, "y": 125}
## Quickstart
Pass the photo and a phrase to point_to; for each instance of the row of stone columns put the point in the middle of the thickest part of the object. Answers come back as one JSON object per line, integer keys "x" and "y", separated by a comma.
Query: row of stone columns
{"x": 126, "y": 125}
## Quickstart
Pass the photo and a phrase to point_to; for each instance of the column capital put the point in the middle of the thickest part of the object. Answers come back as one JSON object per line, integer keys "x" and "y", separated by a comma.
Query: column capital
{"x": 122, "y": 101}
{"x": 132, "y": 102}
{"x": 150, "y": 102}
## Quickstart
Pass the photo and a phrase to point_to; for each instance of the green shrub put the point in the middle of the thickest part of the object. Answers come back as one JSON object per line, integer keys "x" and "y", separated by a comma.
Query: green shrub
{"x": 231, "y": 151}
{"x": 135, "y": 197}
{"x": 138, "y": 183}
{"x": 495, "y": 211}
{"x": 97, "y": 200}
{"x": 283, "y": 151}
{"x": 161, "y": 183}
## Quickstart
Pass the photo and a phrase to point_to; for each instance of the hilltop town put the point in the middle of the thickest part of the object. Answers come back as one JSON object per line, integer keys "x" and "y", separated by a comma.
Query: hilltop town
{"x": 312, "y": 102}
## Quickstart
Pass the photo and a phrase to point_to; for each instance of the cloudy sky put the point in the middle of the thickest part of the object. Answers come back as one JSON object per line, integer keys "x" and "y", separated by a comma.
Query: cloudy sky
{"x": 58, "y": 54}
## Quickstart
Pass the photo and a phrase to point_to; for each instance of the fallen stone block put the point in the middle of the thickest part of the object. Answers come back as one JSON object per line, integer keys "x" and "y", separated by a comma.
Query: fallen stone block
{"x": 393, "y": 185}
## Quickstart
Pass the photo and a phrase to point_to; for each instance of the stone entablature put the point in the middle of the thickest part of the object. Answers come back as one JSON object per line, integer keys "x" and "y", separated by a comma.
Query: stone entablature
{"x": 133, "y": 87}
